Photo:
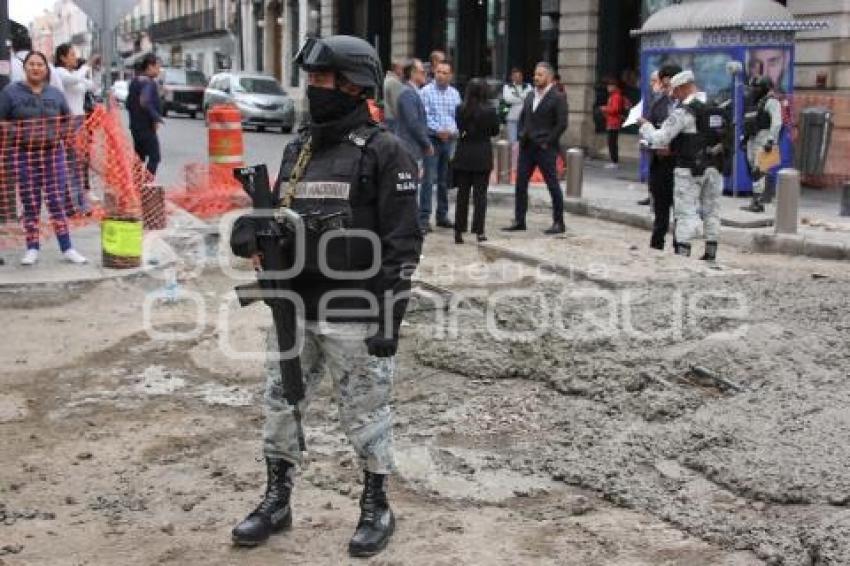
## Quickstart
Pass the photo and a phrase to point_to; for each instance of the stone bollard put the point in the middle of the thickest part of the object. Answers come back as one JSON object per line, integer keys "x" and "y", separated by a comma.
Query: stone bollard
{"x": 504, "y": 161}
{"x": 575, "y": 172}
{"x": 845, "y": 200}
{"x": 787, "y": 201}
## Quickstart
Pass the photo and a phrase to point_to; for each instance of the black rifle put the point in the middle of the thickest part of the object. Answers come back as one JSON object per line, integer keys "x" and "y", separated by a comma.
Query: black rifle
{"x": 275, "y": 230}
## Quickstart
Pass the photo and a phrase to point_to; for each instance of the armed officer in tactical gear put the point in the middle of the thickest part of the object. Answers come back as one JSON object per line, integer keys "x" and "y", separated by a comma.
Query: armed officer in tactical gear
{"x": 762, "y": 128}
{"x": 698, "y": 182}
{"x": 354, "y": 187}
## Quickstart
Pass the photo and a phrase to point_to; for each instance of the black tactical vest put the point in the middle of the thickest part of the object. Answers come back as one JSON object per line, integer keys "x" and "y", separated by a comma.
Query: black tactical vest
{"x": 758, "y": 118}
{"x": 336, "y": 197}
{"x": 711, "y": 145}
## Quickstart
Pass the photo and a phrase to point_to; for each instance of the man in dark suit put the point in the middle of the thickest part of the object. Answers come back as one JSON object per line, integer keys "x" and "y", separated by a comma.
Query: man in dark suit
{"x": 543, "y": 120}
{"x": 662, "y": 163}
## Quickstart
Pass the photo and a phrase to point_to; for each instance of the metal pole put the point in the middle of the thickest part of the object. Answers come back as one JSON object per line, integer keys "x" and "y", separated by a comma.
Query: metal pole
{"x": 845, "y": 200}
{"x": 504, "y": 160}
{"x": 5, "y": 51}
{"x": 575, "y": 172}
{"x": 106, "y": 35}
{"x": 735, "y": 143}
{"x": 787, "y": 201}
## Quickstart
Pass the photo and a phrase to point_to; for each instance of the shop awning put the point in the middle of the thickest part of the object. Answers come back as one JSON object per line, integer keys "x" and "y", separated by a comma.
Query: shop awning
{"x": 750, "y": 15}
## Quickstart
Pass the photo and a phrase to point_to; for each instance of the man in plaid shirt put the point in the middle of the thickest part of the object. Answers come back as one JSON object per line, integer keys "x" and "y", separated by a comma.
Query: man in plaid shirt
{"x": 440, "y": 100}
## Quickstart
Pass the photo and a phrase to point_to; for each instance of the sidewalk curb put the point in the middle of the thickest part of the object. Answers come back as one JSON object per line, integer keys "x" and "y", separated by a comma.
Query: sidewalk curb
{"x": 572, "y": 273}
{"x": 759, "y": 242}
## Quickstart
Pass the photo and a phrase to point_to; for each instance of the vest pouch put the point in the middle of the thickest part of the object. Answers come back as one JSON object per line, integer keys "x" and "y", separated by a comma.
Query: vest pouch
{"x": 751, "y": 123}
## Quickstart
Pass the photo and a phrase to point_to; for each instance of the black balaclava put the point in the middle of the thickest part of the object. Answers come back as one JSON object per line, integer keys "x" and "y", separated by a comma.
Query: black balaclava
{"x": 330, "y": 104}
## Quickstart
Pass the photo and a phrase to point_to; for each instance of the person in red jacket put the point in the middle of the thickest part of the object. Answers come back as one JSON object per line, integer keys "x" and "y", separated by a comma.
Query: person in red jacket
{"x": 614, "y": 111}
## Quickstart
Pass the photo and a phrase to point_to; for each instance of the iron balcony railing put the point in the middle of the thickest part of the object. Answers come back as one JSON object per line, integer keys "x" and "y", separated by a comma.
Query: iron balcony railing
{"x": 192, "y": 25}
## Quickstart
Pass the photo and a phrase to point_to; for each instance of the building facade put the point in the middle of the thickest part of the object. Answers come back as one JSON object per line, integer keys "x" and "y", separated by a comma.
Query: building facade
{"x": 586, "y": 40}
{"x": 202, "y": 35}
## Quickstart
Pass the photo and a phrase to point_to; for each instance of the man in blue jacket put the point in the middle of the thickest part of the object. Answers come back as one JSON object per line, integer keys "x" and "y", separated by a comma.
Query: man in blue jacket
{"x": 411, "y": 120}
{"x": 145, "y": 109}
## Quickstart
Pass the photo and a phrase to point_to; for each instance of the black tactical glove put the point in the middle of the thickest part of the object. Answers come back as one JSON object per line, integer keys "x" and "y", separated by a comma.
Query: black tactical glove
{"x": 381, "y": 346}
{"x": 768, "y": 147}
{"x": 243, "y": 237}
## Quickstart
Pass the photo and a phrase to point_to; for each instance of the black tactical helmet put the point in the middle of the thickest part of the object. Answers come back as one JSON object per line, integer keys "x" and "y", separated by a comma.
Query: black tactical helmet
{"x": 351, "y": 57}
{"x": 761, "y": 85}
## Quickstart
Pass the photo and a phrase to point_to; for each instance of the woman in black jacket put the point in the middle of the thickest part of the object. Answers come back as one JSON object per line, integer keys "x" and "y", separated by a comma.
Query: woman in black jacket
{"x": 477, "y": 122}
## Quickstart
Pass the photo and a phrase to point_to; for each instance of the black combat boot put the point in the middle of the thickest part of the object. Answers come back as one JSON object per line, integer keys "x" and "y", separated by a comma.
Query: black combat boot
{"x": 683, "y": 249}
{"x": 710, "y": 251}
{"x": 557, "y": 227}
{"x": 273, "y": 514}
{"x": 377, "y": 523}
{"x": 756, "y": 205}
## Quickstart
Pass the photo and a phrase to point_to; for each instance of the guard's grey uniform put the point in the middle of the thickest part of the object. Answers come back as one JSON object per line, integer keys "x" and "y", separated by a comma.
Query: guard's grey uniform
{"x": 757, "y": 142}
{"x": 691, "y": 192}
{"x": 363, "y": 385}
{"x": 365, "y": 173}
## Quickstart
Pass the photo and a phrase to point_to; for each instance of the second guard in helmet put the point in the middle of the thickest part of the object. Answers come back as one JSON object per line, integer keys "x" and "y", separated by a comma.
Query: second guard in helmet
{"x": 762, "y": 130}
{"x": 354, "y": 186}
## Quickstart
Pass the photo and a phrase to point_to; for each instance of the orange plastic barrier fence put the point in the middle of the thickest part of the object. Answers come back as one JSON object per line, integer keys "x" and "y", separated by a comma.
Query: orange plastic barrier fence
{"x": 79, "y": 169}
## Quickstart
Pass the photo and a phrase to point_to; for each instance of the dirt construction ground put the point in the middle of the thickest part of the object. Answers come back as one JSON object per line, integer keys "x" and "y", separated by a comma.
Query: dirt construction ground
{"x": 540, "y": 419}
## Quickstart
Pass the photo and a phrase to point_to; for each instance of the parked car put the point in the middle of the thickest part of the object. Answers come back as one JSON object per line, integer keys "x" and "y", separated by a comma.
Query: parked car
{"x": 260, "y": 99}
{"x": 182, "y": 91}
{"x": 119, "y": 90}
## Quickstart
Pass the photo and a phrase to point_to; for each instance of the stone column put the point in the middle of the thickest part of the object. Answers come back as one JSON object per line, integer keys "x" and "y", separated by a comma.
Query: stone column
{"x": 328, "y": 25}
{"x": 404, "y": 29}
{"x": 577, "y": 65}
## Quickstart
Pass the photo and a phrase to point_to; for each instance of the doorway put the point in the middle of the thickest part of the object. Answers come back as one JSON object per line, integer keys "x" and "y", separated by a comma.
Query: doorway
{"x": 371, "y": 20}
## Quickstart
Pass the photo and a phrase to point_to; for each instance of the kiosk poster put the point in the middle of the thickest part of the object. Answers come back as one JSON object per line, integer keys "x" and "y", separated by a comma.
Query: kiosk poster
{"x": 709, "y": 70}
{"x": 772, "y": 62}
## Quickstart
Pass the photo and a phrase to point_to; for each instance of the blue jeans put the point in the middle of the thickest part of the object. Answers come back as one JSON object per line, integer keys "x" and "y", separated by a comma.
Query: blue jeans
{"x": 436, "y": 172}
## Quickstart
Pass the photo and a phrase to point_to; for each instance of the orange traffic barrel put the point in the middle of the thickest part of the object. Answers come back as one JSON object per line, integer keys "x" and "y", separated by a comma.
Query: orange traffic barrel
{"x": 225, "y": 135}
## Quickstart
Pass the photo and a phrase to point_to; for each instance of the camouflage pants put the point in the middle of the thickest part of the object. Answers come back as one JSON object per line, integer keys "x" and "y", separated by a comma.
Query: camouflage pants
{"x": 692, "y": 194}
{"x": 753, "y": 146}
{"x": 362, "y": 386}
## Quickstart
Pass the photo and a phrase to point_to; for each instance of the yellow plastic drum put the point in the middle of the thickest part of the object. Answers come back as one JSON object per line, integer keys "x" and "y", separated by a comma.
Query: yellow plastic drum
{"x": 121, "y": 240}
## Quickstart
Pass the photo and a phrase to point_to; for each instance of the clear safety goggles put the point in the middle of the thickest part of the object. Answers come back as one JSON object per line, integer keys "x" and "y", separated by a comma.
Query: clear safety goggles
{"x": 314, "y": 54}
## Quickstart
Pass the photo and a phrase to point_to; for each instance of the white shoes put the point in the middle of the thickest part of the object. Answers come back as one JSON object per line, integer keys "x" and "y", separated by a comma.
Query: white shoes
{"x": 71, "y": 255}
{"x": 74, "y": 256}
{"x": 612, "y": 166}
{"x": 30, "y": 257}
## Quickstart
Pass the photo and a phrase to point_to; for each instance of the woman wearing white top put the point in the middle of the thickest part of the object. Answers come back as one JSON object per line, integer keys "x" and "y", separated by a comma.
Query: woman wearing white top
{"x": 76, "y": 81}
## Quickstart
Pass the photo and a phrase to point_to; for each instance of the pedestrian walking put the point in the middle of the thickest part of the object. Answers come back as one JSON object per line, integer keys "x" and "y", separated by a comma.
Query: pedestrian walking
{"x": 698, "y": 182}
{"x": 145, "y": 109}
{"x": 541, "y": 123}
{"x": 477, "y": 122}
{"x": 614, "y": 110}
{"x": 514, "y": 94}
{"x": 662, "y": 162}
{"x": 350, "y": 325}
{"x": 392, "y": 88}
{"x": 441, "y": 100}
{"x": 412, "y": 122}
{"x": 38, "y": 112}
{"x": 77, "y": 82}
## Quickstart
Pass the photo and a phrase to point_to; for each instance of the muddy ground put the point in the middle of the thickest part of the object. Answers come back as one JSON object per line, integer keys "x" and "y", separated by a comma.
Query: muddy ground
{"x": 571, "y": 431}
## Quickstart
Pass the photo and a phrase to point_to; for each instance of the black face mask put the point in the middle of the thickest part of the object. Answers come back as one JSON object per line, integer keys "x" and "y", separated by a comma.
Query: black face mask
{"x": 327, "y": 105}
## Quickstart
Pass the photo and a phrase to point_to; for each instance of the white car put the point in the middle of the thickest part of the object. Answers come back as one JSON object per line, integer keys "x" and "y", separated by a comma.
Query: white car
{"x": 119, "y": 90}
